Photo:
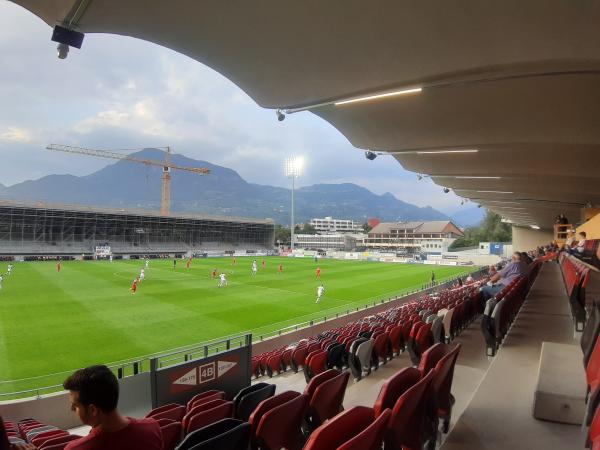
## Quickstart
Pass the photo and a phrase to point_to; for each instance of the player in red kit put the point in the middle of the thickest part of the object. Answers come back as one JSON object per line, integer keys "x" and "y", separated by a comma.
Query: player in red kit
{"x": 214, "y": 273}
{"x": 233, "y": 262}
{"x": 263, "y": 264}
{"x": 134, "y": 286}
{"x": 58, "y": 266}
{"x": 280, "y": 269}
{"x": 318, "y": 272}
{"x": 189, "y": 261}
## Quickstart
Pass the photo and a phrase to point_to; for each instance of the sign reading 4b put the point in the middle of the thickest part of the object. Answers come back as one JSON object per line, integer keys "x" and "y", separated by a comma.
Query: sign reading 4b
{"x": 207, "y": 372}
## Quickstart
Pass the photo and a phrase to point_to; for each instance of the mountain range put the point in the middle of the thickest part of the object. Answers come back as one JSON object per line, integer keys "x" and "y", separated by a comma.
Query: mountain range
{"x": 222, "y": 192}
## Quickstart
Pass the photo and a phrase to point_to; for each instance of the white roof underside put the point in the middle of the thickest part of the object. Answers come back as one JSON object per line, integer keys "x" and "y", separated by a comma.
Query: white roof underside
{"x": 518, "y": 81}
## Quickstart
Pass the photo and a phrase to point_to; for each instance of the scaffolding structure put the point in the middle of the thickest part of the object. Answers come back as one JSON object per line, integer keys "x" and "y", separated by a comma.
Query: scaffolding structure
{"x": 72, "y": 229}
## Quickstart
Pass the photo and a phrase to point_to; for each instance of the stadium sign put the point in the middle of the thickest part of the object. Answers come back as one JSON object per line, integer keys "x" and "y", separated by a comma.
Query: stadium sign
{"x": 228, "y": 371}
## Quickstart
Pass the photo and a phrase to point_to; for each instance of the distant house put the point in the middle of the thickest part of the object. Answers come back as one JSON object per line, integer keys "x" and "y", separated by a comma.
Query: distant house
{"x": 413, "y": 237}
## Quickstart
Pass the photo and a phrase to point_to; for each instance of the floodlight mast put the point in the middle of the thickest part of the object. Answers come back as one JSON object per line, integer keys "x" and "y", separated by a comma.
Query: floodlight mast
{"x": 293, "y": 168}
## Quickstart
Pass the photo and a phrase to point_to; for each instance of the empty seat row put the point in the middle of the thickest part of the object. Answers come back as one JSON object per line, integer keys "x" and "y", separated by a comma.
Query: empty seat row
{"x": 576, "y": 276}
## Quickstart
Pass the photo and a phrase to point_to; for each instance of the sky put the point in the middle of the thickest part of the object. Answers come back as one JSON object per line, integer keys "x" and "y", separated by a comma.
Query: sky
{"x": 123, "y": 93}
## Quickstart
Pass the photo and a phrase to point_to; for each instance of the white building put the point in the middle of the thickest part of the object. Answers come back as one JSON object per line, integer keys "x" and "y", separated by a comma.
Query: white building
{"x": 414, "y": 237}
{"x": 331, "y": 225}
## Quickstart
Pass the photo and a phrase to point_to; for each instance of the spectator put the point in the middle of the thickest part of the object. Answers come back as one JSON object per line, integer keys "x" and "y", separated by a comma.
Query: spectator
{"x": 570, "y": 240}
{"x": 94, "y": 394}
{"x": 525, "y": 258}
{"x": 470, "y": 279}
{"x": 513, "y": 270}
{"x": 5, "y": 443}
{"x": 580, "y": 248}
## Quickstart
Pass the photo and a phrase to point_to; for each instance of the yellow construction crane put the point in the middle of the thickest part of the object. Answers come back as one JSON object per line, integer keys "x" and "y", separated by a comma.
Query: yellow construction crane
{"x": 165, "y": 204}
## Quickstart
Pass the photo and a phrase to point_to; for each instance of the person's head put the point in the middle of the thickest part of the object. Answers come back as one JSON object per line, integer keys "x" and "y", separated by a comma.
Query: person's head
{"x": 94, "y": 393}
{"x": 582, "y": 235}
{"x": 516, "y": 256}
{"x": 4, "y": 443}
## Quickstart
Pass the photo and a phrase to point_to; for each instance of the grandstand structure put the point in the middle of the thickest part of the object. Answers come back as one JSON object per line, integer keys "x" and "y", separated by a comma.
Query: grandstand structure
{"x": 495, "y": 101}
{"x": 59, "y": 230}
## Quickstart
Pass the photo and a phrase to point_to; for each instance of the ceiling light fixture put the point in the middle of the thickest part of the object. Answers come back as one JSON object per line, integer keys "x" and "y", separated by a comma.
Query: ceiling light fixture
{"x": 494, "y": 192}
{"x": 535, "y": 227}
{"x": 378, "y": 96}
{"x": 465, "y": 177}
{"x": 441, "y": 152}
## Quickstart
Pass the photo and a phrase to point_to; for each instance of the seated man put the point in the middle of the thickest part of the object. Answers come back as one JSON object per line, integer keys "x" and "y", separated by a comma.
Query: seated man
{"x": 503, "y": 277}
{"x": 94, "y": 394}
{"x": 580, "y": 248}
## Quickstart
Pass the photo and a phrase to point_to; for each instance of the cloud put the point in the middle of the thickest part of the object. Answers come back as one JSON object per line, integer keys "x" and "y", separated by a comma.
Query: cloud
{"x": 14, "y": 134}
{"x": 120, "y": 92}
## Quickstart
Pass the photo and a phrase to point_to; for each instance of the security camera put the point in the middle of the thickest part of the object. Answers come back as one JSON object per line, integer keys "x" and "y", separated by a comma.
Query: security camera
{"x": 370, "y": 155}
{"x": 280, "y": 115}
{"x": 479, "y": 206}
{"x": 62, "y": 50}
{"x": 446, "y": 190}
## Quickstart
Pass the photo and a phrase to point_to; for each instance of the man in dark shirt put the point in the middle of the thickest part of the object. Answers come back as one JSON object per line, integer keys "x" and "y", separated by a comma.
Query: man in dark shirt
{"x": 514, "y": 269}
{"x": 94, "y": 394}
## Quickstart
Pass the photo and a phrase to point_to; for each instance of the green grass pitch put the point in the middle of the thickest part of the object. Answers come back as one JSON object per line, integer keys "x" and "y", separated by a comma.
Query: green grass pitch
{"x": 52, "y": 322}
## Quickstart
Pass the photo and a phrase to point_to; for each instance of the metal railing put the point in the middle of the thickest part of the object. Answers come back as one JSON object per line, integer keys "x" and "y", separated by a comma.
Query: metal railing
{"x": 51, "y": 383}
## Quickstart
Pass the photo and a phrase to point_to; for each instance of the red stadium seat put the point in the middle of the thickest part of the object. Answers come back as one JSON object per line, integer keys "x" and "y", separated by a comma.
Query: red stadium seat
{"x": 317, "y": 380}
{"x": 394, "y": 387}
{"x": 209, "y": 398}
{"x": 351, "y": 429}
{"x": 281, "y": 426}
{"x": 442, "y": 386}
{"x": 432, "y": 355}
{"x": 200, "y": 408}
{"x": 171, "y": 435}
{"x": 327, "y": 400}
{"x": 210, "y": 416}
{"x": 162, "y": 408}
{"x": 175, "y": 414}
{"x": 266, "y": 406}
{"x": 202, "y": 395}
{"x": 407, "y": 423}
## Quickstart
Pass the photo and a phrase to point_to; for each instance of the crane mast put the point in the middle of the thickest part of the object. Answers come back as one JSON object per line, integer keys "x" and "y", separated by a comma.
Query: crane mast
{"x": 166, "y": 165}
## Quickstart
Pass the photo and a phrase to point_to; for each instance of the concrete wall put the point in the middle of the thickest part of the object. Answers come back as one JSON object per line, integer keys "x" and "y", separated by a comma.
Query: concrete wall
{"x": 55, "y": 409}
{"x": 591, "y": 227}
{"x": 525, "y": 239}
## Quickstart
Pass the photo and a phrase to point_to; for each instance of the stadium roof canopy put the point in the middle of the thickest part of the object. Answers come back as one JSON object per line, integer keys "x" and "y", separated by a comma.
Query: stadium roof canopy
{"x": 509, "y": 107}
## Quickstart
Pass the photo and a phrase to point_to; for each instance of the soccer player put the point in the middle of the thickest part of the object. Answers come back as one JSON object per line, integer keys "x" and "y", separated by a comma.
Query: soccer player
{"x": 10, "y": 268}
{"x": 1, "y": 278}
{"x": 254, "y": 268}
{"x": 320, "y": 292}
{"x": 147, "y": 263}
{"x": 134, "y": 286}
{"x": 142, "y": 276}
{"x": 189, "y": 261}
{"x": 222, "y": 280}
{"x": 110, "y": 258}
{"x": 58, "y": 266}
{"x": 280, "y": 269}
{"x": 319, "y": 273}
{"x": 174, "y": 263}
{"x": 433, "y": 278}
{"x": 264, "y": 264}
{"x": 214, "y": 273}
{"x": 234, "y": 261}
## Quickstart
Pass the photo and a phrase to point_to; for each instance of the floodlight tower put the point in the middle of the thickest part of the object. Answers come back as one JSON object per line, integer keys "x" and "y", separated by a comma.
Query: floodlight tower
{"x": 293, "y": 168}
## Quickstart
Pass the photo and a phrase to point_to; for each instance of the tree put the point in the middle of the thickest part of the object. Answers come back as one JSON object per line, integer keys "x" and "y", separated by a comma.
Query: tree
{"x": 307, "y": 228}
{"x": 492, "y": 229}
{"x": 282, "y": 234}
{"x": 367, "y": 227}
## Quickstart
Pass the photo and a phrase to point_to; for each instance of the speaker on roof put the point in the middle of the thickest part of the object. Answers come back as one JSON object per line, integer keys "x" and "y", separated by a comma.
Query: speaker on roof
{"x": 68, "y": 37}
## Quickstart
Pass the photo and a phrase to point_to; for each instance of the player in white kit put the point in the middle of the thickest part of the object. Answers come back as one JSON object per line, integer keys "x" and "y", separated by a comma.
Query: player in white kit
{"x": 222, "y": 280}
{"x": 254, "y": 268}
{"x": 147, "y": 262}
{"x": 10, "y": 268}
{"x": 320, "y": 292}
{"x": 142, "y": 275}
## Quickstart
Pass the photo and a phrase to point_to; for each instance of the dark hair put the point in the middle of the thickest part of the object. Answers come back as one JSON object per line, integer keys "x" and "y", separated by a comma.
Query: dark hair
{"x": 96, "y": 385}
{"x": 4, "y": 443}
{"x": 583, "y": 233}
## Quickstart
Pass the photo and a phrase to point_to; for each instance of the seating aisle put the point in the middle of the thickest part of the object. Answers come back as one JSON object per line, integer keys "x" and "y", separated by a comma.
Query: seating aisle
{"x": 500, "y": 413}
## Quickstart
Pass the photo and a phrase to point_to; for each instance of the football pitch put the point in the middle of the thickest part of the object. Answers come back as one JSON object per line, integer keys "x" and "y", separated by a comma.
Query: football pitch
{"x": 85, "y": 314}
